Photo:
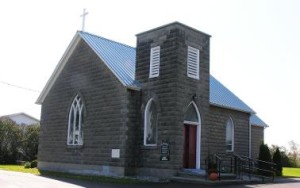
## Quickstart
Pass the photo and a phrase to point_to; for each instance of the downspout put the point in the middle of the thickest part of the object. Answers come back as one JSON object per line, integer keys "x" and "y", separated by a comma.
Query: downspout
{"x": 250, "y": 139}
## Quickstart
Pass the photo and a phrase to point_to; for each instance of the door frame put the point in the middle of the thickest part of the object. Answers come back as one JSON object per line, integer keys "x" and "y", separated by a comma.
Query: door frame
{"x": 198, "y": 140}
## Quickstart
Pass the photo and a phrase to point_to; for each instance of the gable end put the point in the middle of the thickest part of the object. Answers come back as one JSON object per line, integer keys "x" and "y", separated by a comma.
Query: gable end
{"x": 58, "y": 69}
{"x": 60, "y": 66}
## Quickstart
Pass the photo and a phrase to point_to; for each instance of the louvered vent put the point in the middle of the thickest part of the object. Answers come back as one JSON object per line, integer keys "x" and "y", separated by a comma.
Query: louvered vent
{"x": 193, "y": 62}
{"x": 154, "y": 62}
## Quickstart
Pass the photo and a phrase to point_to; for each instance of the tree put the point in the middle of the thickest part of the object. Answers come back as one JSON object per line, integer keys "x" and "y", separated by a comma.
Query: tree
{"x": 18, "y": 142}
{"x": 294, "y": 153}
{"x": 31, "y": 142}
{"x": 278, "y": 161}
{"x": 286, "y": 162}
{"x": 264, "y": 155}
{"x": 10, "y": 137}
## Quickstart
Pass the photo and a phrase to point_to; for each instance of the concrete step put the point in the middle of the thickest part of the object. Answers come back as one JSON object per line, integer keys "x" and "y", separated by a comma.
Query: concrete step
{"x": 208, "y": 182}
{"x": 204, "y": 181}
{"x": 201, "y": 174}
{"x": 192, "y": 173}
{"x": 200, "y": 177}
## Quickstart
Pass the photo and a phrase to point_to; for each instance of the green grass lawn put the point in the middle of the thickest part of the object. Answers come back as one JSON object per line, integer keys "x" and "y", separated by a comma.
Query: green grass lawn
{"x": 291, "y": 172}
{"x": 19, "y": 168}
{"x": 287, "y": 172}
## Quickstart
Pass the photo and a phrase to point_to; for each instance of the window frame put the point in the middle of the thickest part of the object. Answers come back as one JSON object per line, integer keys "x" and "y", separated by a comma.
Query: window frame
{"x": 154, "y": 62}
{"x": 146, "y": 114}
{"x": 194, "y": 106}
{"x": 76, "y": 112}
{"x": 229, "y": 122}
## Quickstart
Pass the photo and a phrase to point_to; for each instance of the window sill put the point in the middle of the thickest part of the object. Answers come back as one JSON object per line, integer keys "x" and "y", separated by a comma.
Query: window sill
{"x": 74, "y": 146}
{"x": 149, "y": 147}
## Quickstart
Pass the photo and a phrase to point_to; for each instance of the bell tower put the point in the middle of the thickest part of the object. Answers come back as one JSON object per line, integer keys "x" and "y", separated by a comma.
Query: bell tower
{"x": 172, "y": 65}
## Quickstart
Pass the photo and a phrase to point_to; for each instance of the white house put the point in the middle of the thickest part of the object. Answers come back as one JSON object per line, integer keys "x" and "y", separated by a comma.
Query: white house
{"x": 21, "y": 118}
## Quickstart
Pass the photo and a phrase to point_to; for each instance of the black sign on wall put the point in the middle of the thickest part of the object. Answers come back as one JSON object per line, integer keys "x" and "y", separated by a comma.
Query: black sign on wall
{"x": 165, "y": 151}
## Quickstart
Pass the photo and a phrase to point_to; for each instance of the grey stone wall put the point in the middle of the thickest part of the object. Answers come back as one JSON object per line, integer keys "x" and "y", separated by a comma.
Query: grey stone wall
{"x": 217, "y": 130}
{"x": 114, "y": 115}
{"x": 257, "y": 137}
{"x": 131, "y": 132}
{"x": 172, "y": 91}
{"x": 105, "y": 100}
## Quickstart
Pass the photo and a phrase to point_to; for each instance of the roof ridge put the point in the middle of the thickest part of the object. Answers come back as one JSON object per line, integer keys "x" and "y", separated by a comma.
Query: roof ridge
{"x": 94, "y": 35}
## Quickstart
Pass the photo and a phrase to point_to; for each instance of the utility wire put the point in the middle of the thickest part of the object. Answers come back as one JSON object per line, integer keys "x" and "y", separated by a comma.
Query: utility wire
{"x": 19, "y": 87}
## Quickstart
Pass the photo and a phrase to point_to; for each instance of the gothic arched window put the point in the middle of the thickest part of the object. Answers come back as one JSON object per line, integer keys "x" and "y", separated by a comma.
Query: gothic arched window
{"x": 150, "y": 124}
{"x": 75, "y": 125}
{"x": 229, "y": 135}
{"x": 191, "y": 114}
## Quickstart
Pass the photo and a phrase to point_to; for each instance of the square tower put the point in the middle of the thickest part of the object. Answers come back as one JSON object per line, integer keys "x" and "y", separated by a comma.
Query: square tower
{"x": 172, "y": 65}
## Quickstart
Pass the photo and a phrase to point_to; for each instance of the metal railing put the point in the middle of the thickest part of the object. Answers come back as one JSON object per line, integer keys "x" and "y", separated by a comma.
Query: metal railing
{"x": 213, "y": 164}
{"x": 259, "y": 168}
{"x": 240, "y": 166}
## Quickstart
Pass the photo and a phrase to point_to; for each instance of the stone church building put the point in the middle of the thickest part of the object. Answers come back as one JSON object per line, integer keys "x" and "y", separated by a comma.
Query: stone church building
{"x": 111, "y": 109}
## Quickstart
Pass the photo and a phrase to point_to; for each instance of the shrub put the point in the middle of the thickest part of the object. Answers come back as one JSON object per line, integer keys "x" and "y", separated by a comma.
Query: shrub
{"x": 31, "y": 141}
{"x": 27, "y": 165}
{"x": 278, "y": 161}
{"x": 211, "y": 165}
{"x": 264, "y": 155}
{"x": 34, "y": 164}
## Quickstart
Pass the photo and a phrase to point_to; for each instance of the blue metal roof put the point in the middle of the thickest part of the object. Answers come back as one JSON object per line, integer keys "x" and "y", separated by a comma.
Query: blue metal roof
{"x": 255, "y": 120}
{"x": 221, "y": 96}
{"x": 120, "y": 59}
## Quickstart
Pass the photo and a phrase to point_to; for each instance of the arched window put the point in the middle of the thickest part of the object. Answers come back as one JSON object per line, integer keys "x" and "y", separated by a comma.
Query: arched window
{"x": 229, "y": 135}
{"x": 75, "y": 134}
{"x": 150, "y": 124}
{"x": 191, "y": 114}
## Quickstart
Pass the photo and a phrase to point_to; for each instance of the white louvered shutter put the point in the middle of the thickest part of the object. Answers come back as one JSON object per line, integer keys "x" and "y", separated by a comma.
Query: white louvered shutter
{"x": 154, "y": 62}
{"x": 193, "y": 58}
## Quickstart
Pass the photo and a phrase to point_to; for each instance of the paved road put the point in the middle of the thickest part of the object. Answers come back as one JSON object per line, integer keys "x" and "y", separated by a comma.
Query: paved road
{"x": 22, "y": 180}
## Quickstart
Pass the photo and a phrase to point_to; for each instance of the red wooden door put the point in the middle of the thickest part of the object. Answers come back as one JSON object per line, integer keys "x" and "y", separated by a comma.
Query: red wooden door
{"x": 189, "y": 154}
{"x": 192, "y": 146}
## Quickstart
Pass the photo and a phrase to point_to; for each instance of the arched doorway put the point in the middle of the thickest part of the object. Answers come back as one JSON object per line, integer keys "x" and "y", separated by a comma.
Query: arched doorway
{"x": 192, "y": 137}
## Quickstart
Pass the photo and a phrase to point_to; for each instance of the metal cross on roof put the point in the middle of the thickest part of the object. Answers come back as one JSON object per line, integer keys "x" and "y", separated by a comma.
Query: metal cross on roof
{"x": 83, "y": 18}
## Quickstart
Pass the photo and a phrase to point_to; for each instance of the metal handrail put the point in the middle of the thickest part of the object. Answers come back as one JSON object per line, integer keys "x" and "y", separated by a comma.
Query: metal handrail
{"x": 240, "y": 164}
{"x": 214, "y": 160}
{"x": 218, "y": 162}
{"x": 252, "y": 169}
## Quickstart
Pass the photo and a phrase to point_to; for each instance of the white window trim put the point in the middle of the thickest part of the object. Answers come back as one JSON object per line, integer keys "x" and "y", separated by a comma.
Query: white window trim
{"x": 191, "y": 123}
{"x": 75, "y": 108}
{"x": 145, "y": 124}
{"x": 198, "y": 141}
{"x": 154, "y": 62}
{"x": 232, "y": 134}
{"x": 190, "y": 64}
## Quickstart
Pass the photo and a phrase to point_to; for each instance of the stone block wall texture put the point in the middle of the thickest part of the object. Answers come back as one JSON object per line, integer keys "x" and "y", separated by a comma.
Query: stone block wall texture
{"x": 172, "y": 91}
{"x": 257, "y": 137}
{"x": 114, "y": 115}
{"x": 105, "y": 120}
{"x": 217, "y": 130}
{"x": 131, "y": 132}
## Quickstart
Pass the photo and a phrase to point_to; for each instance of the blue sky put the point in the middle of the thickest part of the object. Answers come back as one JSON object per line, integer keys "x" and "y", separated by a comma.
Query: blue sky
{"x": 254, "y": 47}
